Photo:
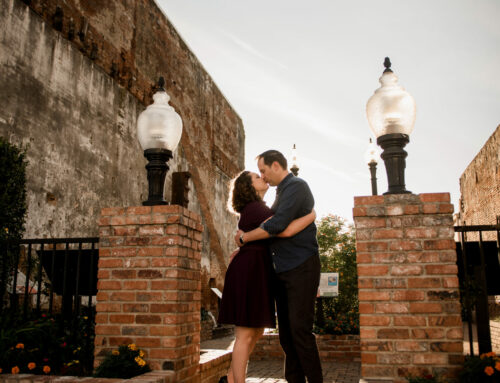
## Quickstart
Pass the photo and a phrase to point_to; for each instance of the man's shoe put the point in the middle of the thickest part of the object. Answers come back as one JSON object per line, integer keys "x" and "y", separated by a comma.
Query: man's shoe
{"x": 223, "y": 379}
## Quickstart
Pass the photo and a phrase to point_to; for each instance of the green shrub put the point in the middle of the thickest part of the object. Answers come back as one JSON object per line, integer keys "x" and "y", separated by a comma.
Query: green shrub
{"x": 124, "y": 363}
{"x": 481, "y": 369}
{"x": 46, "y": 345}
{"x": 12, "y": 208}
{"x": 337, "y": 249}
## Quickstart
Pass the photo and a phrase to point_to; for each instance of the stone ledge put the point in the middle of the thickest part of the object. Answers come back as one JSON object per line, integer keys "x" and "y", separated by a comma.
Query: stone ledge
{"x": 150, "y": 377}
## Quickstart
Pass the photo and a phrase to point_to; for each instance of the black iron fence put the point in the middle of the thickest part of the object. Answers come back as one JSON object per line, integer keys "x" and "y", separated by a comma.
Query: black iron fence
{"x": 478, "y": 261}
{"x": 52, "y": 275}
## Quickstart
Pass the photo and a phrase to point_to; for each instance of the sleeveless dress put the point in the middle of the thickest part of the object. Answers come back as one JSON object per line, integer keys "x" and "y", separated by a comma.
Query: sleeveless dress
{"x": 248, "y": 299}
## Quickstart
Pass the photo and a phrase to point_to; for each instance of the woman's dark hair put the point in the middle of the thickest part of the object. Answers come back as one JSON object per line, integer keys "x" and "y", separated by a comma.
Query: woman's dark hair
{"x": 242, "y": 191}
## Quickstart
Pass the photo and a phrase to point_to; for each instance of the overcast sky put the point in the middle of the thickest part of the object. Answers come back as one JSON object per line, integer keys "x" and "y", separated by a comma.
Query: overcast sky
{"x": 301, "y": 72}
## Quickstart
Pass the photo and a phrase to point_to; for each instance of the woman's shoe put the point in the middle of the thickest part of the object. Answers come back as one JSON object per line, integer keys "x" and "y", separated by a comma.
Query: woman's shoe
{"x": 223, "y": 379}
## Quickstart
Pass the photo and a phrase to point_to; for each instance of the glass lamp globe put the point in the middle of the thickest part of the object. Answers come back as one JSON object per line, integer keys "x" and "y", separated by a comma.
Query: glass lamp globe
{"x": 294, "y": 156}
{"x": 372, "y": 154}
{"x": 159, "y": 126}
{"x": 391, "y": 109}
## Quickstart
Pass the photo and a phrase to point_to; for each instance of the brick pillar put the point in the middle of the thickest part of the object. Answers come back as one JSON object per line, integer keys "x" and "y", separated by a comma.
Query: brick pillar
{"x": 149, "y": 285}
{"x": 408, "y": 286}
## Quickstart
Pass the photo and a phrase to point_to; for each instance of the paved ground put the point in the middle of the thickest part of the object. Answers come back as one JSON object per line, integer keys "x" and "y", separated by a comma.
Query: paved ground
{"x": 271, "y": 371}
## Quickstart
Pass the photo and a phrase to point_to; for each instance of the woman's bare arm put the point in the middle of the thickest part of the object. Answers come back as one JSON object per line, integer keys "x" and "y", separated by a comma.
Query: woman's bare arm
{"x": 297, "y": 225}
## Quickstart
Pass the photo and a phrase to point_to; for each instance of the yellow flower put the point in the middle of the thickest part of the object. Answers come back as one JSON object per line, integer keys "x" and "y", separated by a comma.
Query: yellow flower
{"x": 141, "y": 353}
{"x": 31, "y": 365}
{"x": 489, "y": 371}
{"x": 85, "y": 318}
{"x": 141, "y": 362}
{"x": 20, "y": 345}
{"x": 497, "y": 366}
{"x": 15, "y": 370}
{"x": 46, "y": 369}
{"x": 115, "y": 352}
{"x": 132, "y": 347}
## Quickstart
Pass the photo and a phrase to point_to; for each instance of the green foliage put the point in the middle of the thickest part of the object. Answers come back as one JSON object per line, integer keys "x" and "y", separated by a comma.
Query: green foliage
{"x": 124, "y": 363}
{"x": 45, "y": 345}
{"x": 481, "y": 369}
{"x": 337, "y": 249}
{"x": 12, "y": 207}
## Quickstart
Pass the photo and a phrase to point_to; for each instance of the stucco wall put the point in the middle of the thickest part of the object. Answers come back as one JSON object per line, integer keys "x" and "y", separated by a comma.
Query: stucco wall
{"x": 480, "y": 186}
{"x": 74, "y": 76}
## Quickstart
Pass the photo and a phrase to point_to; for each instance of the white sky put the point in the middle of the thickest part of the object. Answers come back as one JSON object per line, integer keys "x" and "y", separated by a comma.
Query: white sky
{"x": 301, "y": 72}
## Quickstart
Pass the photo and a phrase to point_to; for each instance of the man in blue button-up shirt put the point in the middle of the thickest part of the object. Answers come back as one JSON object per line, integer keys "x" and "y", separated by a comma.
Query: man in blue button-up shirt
{"x": 297, "y": 266}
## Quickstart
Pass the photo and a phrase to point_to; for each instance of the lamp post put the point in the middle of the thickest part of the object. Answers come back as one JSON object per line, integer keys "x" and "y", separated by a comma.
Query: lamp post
{"x": 159, "y": 129}
{"x": 391, "y": 114}
{"x": 371, "y": 157}
{"x": 294, "y": 169}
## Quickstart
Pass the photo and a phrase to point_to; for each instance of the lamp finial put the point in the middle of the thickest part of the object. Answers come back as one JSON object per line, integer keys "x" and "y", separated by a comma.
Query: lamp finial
{"x": 161, "y": 84}
{"x": 387, "y": 64}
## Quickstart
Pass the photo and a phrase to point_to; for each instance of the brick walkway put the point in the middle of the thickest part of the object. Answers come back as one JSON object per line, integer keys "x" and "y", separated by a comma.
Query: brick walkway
{"x": 271, "y": 371}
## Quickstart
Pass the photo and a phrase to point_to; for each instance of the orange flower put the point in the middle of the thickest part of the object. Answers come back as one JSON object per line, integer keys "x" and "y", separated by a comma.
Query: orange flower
{"x": 46, "y": 369}
{"x": 20, "y": 345}
{"x": 489, "y": 371}
{"x": 15, "y": 370}
{"x": 31, "y": 365}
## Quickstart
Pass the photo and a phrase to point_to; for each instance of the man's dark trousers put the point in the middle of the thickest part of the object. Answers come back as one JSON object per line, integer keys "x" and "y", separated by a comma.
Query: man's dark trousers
{"x": 296, "y": 291}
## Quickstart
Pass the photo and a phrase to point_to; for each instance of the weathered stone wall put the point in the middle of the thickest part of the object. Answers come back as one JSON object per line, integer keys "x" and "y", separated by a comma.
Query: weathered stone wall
{"x": 480, "y": 186}
{"x": 74, "y": 76}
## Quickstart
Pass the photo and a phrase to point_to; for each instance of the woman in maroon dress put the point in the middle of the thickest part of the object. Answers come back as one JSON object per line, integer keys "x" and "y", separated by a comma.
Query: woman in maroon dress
{"x": 247, "y": 300}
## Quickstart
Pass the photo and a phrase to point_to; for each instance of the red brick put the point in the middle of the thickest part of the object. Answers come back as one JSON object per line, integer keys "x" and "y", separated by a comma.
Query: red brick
{"x": 434, "y": 359}
{"x": 426, "y": 308}
{"x": 447, "y": 347}
{"x": 148, "y": 342}
{"x": 165, "y": 285}
{"x": 120, "y": 296}
{"x": 152, "y": 296}
{"x": 372, "y": 270}
{"x": 408, "y": 295}
{"x": 367, "y": 358}
{"x": 365, "y": 283}
{"x": 399, "y": 308}
{"x": 123, "y": 252}
{"x": 376, "y": 345}
{"x": 107, "y": 330}
{"x": 406, "y": 270}
{"x": 117, "y": 221}
{"x": 421, "y": 232}
{"x": 108, "y": 307}
{"x": 170, "y": 240}
{"x": 134, "y": 285}
{"x": 387, "y": 234}
{"x": 359, "y": 212}
{"x": 119, "y": 341}
{"x": 412, "y": 209}
{"x": 424, "y": 282}
{"x": 363, "y": 222}
{"x": 124, "y": 230}
{"x": 434, "y": 197}
{"x": 439, "y": 244}
{"x": 112, "y": 211}
{"x": 103, "y": 274}
{"x": 369, "y": 200}
{"x": 393, "y": 333}
{"x": 135, "y": 308}
{"x": 121, "y": 318}
{"x": 374, "y": 320}
{"x": 374, "y": 296}
{"x": 409, "y": 321}
{"x": 405, "y": 245}
{"x": 394, "y": 210}
{"x": 367, "y": 333}
{"x": 104, "y": 221}
{"x": 172, "y": 209}
{"x": 363, "y": 258}
{"x": 430, "y": 208}
{"x": 411, "y": 345}
{"x": 101, "y": 318}
{"x": 366, "y": 308}
{"x": 395, "y": 358}
{"x": 152, "y": 230}
{"x": 145, "y": 220}
{"x": 446, "y": 208}
{"x": 164, "y": 330}
{"x": 123, "y": 274}
{"x": 455, "y": 333}
{"x": 445, "y": 321}
{"x": 108, "y": 285}
{"x": 110, "y": 262}
{"x": 151, "y": 252}
{"x": 148, "y": 319}
{"x": 441, "y": 269}
{"x": 389, "y": 283}
{"x": 138, "y": 210}
{"x": 140, "y": 263}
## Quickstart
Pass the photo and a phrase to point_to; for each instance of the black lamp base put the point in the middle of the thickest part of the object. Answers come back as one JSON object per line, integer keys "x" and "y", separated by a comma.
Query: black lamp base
{"x": 394, "y": 157}
{"x": 157, "y": 170}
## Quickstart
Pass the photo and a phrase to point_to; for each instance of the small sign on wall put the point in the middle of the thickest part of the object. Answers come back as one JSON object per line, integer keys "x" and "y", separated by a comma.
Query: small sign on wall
{"x": 328, "y": 285}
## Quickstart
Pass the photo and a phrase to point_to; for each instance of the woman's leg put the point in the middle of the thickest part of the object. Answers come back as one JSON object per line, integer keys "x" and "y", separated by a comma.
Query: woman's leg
{"x": 246, "y": 338}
